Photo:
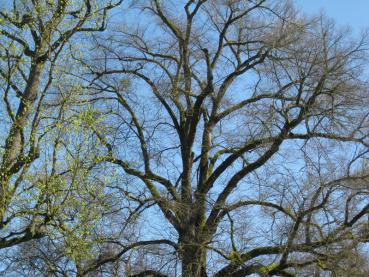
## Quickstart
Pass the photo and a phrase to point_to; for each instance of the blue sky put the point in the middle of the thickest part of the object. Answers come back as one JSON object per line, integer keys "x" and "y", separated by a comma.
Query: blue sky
{"x": 353, "y": 13}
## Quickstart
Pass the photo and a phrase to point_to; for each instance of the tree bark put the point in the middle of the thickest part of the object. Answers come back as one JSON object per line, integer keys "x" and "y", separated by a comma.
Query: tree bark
{"x": 193, "y": 253}
{"x": 14, "y": 141}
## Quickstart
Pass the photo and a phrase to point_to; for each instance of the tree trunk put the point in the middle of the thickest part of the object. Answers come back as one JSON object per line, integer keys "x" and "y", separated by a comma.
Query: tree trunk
{"x": 25, "y": 108}
{"x": 14, "y": 141}
{"x": 193, "y": 253}
{"x": 193, "y": 261}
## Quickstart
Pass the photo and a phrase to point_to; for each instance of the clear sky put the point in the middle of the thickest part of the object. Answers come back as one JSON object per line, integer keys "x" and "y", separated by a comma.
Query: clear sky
{"x": 354, "y": 13}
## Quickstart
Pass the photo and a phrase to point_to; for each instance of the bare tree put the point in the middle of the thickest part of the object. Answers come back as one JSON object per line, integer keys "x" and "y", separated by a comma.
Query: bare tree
{"x": 247, "y": 123}
{"x": 192, "y": 138}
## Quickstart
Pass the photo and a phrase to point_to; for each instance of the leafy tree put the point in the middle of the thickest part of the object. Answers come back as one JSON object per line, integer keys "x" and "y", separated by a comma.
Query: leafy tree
{"x": 43, "y": 140}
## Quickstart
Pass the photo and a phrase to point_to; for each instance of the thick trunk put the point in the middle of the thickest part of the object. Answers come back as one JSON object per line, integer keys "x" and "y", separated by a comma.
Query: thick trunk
{"x": 193, "y": 261}
{"x": 193, "y": 253}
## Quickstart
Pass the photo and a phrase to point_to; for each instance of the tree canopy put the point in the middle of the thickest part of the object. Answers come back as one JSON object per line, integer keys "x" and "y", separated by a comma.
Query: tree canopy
{"x": 181, "y": 138}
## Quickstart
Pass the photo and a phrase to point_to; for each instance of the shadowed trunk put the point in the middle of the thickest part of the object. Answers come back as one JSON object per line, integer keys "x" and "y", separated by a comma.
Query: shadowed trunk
{"x": 193, "y": 253}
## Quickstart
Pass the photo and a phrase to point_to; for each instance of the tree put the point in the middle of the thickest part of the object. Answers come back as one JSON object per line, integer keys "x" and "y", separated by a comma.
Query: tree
{"x": 192, "y": 138}
{"x": 39, "y": 173}
{"x": 237, "y": 113}
{"x": 59, "y": 204}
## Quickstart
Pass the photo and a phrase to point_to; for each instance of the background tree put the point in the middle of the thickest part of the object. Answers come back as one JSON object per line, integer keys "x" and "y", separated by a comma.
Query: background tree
{"x": 61, "y": 210}
{"x": 47, "y": 187}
